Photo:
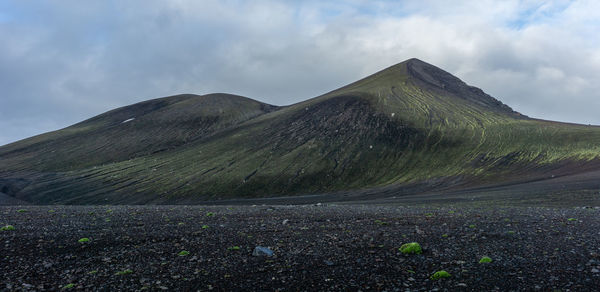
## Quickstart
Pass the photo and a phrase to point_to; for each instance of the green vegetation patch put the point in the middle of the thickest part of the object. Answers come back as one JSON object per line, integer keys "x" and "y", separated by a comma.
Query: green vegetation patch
{"x": 22, "y": 210}
{"x": 183, "y": 253}
{"x": 485, "y": 260}
{"x": 69, "y": 286}
{"x": 571, "y": 219}
{"x": 235, "y": 247}
{"x": 440, "y": 275}
{"x": 411, "y": 248}
{"x": 210, "y": 214}
{"x": 124, "y": 272}
{"x": 7, "y": 228}
{"x": 204, "y": 226}
{"x": 82, "y": 240}
{"x": 380, "y": 222}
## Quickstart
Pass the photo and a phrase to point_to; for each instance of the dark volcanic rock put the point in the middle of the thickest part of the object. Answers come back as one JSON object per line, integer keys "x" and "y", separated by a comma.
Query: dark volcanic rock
{"x": 320, "y": 248}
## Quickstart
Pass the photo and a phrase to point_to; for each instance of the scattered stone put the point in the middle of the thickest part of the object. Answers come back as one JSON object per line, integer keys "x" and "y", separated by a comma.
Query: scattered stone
{"x": 260, "y": 251}
{"x": 353, "y": 253}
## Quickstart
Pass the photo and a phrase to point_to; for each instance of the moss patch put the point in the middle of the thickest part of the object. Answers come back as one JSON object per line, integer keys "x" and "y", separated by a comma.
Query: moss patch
{"x": 485, "y": 260}
{"x": 411, "y": 248}
{"x": 124, "y": 272}
{"x": 7, "y": 228}
{"x": 440, "y": 275}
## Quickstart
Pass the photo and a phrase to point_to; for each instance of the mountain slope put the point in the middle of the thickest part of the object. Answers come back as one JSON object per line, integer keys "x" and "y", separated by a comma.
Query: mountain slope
{"x": 136, "y": 130}
{"x": 410, "y": 123}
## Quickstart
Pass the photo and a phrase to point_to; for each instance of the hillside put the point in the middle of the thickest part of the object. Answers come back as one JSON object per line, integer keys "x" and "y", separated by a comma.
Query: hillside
{"x": 412, "y": 123}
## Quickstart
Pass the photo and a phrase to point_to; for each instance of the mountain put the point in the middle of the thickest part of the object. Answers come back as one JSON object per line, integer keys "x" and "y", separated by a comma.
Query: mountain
{"x": 410, "y": 124}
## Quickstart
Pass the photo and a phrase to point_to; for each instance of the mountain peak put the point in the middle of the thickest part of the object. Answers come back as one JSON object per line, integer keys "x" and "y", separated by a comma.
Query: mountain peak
{"x": 422, "y": 76}
{"x": 431, "y": 77}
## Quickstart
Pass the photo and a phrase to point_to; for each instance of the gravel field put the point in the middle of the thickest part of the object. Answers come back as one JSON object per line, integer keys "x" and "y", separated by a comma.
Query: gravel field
{"x": 315, "y": 248}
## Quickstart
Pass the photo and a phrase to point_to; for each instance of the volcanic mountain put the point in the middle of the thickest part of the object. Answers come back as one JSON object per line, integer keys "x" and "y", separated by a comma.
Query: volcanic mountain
{"x": 410, "y": 124}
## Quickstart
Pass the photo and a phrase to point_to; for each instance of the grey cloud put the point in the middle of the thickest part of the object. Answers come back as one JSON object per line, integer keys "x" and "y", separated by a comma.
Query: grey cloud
{"x": 62, "y": 62}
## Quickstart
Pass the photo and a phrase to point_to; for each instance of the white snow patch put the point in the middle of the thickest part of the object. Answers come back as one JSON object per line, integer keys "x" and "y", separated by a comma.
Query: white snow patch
{"x": 393, "y": 114}
{"x": 127, "y": 120}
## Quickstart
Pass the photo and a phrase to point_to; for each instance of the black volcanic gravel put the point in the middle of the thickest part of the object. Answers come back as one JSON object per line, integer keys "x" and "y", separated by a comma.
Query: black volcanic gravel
{"x": 317, "y": 248}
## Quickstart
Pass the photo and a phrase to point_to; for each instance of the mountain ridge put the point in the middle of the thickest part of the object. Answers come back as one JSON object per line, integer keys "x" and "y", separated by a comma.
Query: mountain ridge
{"x": 411, "y": 123}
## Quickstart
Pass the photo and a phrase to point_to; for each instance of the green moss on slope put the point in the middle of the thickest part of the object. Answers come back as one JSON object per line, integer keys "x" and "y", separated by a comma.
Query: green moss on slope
{"x": 398, "y": 126}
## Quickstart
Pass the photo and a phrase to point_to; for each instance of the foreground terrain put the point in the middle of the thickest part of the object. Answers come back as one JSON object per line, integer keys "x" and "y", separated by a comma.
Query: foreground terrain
{"x": 316, "y": 247}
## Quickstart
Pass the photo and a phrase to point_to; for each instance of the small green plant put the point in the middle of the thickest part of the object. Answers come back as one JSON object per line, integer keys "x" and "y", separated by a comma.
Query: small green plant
{"x": 7, "y": 228}
{"x": 51, "y": 211}
{"x": 428, "y": 214}
{"x": 85, "y": 239}
{"x": 235, "y": 247}
{"x": 411, "y": 248}
{"x": 439, "y": 275}
{"x": 444, "y": 235}
{"x": 93, "y": 272}
{"x": 510, "y": 232}
{"x": 210, "y": 214}
{"x": 571, "y": 219}
{"x": 124, "y": 272}
{"x": 451, "y": 212}
{"x": 204, "y": 226}
{"x": 411, "y": 271}
{"x": 485, "y": 260}
{"x": 22, "y": 210}
{"x": 69, "y": 286}
{"x": 380, "y": 222}
{"x": 472, "y": 226}
{"x": 109, "y": 211}
{"x": 183, "y": 253}
{"x": 180, "y": 224}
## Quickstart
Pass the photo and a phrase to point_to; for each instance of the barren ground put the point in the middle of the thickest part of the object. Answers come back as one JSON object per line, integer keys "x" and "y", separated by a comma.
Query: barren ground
{"x": 316, "y": 248}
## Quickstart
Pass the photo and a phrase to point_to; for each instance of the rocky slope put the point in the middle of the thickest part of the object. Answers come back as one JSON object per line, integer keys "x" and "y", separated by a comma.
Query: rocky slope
{"x": 412, "y": 123}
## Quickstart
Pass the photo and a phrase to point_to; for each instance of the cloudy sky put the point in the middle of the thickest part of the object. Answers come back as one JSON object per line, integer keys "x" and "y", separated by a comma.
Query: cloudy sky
{"x": 64, "y": 61}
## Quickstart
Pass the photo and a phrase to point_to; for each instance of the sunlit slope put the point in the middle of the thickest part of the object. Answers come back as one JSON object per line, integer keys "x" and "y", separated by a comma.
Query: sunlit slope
{"x": 410, "y": 123}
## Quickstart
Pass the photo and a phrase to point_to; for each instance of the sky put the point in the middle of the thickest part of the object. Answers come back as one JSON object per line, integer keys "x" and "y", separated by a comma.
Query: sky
{"x": 62, "y": 62}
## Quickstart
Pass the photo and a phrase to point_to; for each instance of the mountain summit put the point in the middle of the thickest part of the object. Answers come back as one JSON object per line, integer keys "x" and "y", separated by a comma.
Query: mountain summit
{"x": 444, "y": 81}
{"x": 411, "y": 124}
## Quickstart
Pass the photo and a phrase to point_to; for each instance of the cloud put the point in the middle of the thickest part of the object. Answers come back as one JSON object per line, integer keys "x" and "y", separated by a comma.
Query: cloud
{"x": 62, "y": 62}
